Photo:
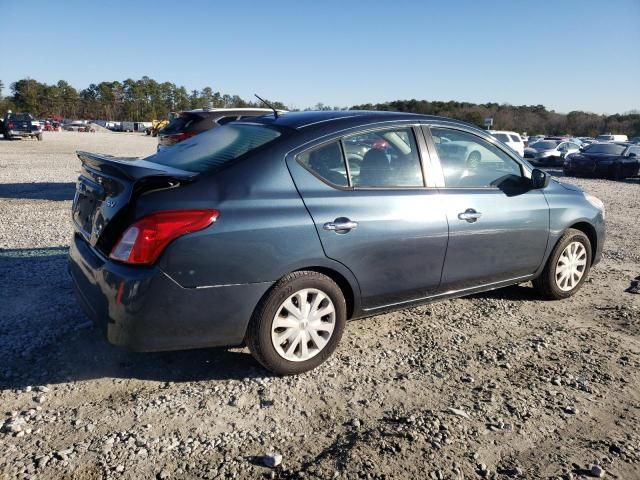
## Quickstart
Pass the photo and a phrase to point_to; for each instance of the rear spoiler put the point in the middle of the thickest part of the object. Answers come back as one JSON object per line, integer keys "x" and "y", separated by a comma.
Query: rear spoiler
{"x": 133, "y": 168}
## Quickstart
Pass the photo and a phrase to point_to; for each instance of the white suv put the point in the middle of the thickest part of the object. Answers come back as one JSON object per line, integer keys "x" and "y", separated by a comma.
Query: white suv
{"x": 512, "y": 139}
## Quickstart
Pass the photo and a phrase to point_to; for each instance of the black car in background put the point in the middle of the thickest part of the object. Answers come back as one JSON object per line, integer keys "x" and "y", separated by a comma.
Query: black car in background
{"x": 192, "y": 122}
{"x": 20, "y": 125}
{"x": 605, "y": 160}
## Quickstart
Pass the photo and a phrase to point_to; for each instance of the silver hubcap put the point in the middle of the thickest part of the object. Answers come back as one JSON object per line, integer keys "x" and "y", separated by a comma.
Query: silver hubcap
{"x": 571, "y": 266}
{"x": 303, "y": 325}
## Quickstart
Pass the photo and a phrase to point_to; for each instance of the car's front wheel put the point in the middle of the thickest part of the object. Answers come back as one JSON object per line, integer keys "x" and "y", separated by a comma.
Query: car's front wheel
{"x": 567, "y": 267}
{"x": 298, "y": 324}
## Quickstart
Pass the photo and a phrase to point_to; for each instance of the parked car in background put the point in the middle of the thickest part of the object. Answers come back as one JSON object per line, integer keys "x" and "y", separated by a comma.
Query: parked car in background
{"x": 193, "y": 122}
{"x": 608, "y": 137}
{"x": 635, "y": 140}
{"x": 534, "y": 138}
{"x": 20, "y": 125}
{"x": 549, "y": 153}
{"x": 258, "y": 232}
{"x": 605, "y": 160}
{"x": 512, "y": 139}
{"x": 77, "y": 127}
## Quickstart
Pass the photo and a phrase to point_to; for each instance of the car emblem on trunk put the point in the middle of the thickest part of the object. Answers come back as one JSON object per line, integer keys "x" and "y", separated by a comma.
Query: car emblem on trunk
{"x": 110, "y": 203}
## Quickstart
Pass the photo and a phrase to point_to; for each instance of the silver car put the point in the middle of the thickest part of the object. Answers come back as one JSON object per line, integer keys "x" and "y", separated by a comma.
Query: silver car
{"x": 549, "y": 153}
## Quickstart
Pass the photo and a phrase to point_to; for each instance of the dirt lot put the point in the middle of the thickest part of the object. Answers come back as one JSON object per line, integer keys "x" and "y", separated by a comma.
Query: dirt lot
{"x": 498, "y": 385}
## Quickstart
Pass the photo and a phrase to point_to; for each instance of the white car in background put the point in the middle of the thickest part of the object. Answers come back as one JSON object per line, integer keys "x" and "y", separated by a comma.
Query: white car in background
{"x": 511, "y": 139}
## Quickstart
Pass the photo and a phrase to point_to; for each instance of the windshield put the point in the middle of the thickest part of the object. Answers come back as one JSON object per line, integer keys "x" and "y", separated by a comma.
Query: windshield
{"x": 606, "y": 148}
{"x": 213, "y": 148}
{"x": 544, "y": 145}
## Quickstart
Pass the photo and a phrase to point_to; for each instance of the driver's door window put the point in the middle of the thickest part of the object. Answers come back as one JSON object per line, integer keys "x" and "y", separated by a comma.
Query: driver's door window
{"x": 469, "y": 161}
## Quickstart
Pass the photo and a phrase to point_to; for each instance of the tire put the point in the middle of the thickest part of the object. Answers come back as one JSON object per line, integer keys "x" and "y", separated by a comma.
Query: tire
{"x": 261, "y": 336}
{"x": 548, "y": 284}
{"x": 616, "y": 173}
{"x": 39, "y": 137}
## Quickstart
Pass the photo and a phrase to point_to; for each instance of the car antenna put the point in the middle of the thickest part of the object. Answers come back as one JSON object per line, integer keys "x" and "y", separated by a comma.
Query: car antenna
{"x": 275, "y": 112}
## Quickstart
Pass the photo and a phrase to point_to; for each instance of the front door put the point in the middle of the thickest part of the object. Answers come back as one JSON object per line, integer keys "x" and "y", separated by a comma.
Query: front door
{"x": 373, "y": 213}
{"x": 498, "y": 225}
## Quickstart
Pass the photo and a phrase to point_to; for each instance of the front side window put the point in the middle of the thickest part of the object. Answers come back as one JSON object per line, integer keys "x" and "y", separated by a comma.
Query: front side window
{"x": 469, "y": 161}
{"x": 326, "y": 162}
{"x": 384, "y": 158}
{"x": 634, "y": 150}
{"x": 516, "y": 138}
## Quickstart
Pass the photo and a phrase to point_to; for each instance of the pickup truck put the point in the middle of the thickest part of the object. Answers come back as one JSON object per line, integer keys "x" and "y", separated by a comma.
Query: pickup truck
{"x": 20, "y": 125}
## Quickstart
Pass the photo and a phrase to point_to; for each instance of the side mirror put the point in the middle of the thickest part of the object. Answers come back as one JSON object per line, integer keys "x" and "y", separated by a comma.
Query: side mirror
{"x": 539, "y": 179}
{"x": 633, "y": 155}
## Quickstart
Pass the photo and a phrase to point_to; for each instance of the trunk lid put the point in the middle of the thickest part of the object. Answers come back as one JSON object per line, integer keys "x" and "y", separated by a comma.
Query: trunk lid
{"x": 107, "y": 189}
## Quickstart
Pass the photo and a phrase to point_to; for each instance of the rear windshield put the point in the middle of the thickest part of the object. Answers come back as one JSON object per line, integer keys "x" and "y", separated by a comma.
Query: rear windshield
{"x": 181, "y": 123}
{"x": 213, "y": 148}
{"x": 606, "y": 148}
{"x": 20, "y": 117}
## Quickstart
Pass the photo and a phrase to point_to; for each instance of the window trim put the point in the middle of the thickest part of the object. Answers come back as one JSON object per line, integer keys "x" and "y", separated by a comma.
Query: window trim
{"x": 524, "y": 170}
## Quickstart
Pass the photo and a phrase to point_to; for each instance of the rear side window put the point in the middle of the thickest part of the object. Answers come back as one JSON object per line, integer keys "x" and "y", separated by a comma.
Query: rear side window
{"x": 216, "y": 147}
{"x": 515, "y": 138}
{"x": 327, "y": 163}
{"x": 503, "y": 137}
{"x": 384, "y": 158}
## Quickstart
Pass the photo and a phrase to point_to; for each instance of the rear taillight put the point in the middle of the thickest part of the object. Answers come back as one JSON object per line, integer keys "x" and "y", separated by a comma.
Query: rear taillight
{"x": 10, "y": 125}
{"x": 179, "y": 137}
{"x": 143, "y": 242}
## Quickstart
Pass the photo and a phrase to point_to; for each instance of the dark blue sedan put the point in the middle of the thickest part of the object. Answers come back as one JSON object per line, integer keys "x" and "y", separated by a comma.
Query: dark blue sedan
{"x": 605, "y": 160}
{"x": 274, "y": 231}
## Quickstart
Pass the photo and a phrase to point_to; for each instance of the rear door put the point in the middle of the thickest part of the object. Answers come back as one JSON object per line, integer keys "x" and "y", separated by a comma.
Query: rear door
{"x": 373, "y": 213}
{"x": 498, "y": 225}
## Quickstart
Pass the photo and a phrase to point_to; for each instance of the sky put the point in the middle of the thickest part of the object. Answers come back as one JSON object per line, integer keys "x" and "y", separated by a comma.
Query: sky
{"x": 564, "y": 54}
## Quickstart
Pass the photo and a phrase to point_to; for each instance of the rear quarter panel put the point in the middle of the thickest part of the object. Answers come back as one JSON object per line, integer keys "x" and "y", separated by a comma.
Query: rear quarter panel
{"x": 263, "y": 232}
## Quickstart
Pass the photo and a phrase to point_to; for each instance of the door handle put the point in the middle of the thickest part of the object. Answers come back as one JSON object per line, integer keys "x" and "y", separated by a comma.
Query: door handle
{"x": 470, "y": 215}
{"x": 340, "y": 225}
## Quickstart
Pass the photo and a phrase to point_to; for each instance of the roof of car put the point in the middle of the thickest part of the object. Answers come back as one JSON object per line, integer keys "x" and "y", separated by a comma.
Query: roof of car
{"x": 224, "y": 110}
{"x": 300, "y": 120}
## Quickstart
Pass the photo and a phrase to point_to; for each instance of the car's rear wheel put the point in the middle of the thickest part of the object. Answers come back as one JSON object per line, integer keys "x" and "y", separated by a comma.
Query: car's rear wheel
{"x": 39, "y": 137}
{"x": 298, "y": 324}
{"x": 567, "y": 267}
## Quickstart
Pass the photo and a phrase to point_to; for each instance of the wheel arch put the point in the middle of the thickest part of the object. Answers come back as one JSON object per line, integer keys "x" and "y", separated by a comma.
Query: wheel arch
{"x": 342, "y": 282}
{"x": 590, "y": 231}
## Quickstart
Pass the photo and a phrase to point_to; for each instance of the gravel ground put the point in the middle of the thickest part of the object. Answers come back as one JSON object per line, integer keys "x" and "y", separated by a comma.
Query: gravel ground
{"x": 497, "y": 385}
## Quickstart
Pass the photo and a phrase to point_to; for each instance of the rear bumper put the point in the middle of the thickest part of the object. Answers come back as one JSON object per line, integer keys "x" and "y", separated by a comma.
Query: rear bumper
{"x": 22, "y": 133}
{"x": 143, "y": 309}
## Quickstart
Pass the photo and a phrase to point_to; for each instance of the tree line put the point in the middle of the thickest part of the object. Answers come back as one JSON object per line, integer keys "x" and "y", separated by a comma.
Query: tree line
{"x": 146, "y": 99}
{"x": 533, "y": 119}
{"x": 132, "y": 100}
